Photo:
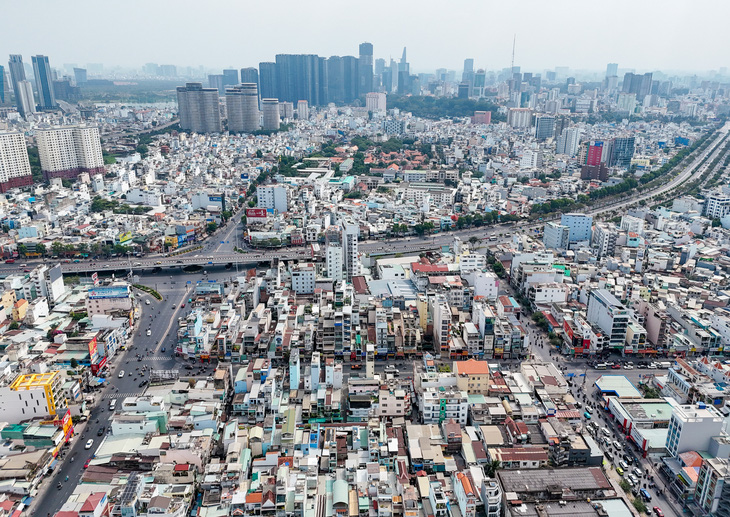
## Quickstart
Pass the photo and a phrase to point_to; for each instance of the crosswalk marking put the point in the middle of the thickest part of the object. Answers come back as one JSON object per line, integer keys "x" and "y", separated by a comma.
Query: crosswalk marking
{"x": 115, "y": 395}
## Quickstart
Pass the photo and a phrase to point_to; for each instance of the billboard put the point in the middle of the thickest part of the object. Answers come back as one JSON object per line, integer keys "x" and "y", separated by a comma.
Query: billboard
{"x": 255, "y": 212}
{"x": 95, "y": 278}
{"x": 125, "y": 237}
{"x": 214, "y": 199}
{"x": 93, "y": 352}
{"x": 100, "y": 293}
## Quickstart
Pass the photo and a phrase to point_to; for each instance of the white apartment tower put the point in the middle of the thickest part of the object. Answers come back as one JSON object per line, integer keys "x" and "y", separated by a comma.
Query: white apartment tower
{"x": 14, "y": 164}
{"x": 350, "y": 235}
{"x": 568, "y": 141}
{"x": 273, "y": 197}
{"x": 270, "y": 110}
{"x": 335, "y": 262}
{"x": 67, "y": 151}
{"x": 303, "y": 110}
{"x": 242, "y": 107}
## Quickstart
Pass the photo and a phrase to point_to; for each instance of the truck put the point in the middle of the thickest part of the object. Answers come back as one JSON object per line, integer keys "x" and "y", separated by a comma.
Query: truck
{"x": 664, "y": 365}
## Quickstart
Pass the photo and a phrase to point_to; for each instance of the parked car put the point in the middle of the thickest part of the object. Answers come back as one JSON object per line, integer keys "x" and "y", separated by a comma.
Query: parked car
{"x": 658, "y": 511}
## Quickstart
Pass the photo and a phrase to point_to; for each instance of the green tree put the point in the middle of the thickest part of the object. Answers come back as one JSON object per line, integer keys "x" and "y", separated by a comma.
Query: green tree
{"x": 81, "y": 247}
{"x": 492, "y": 467}
{"x": 473, "y": 240}
{"x": 716, "y": 222}
{"x": 14, "y": 325}
{"x": 22, "y": 250}
{"x": 57, "y": 248}
{"x": 226, "y": 215}
{"x": 40, "y": 248}
{"x": 211, "y": 227}
{"x": 74, "y": 363}
{"x": 259, "y": 154}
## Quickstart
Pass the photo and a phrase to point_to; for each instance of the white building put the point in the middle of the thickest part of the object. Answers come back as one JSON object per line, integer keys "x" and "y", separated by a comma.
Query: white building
{"x": 580, "y": 226}
{"x": 375, "y": 101}
{"x": 302, "y": 278}
{"x": 519, "y": 118}
{"x": 469, "y": 262}
{"x": 334, "y": 260}
{"x": 691, "y": 427}
{"x": 717, "y": 205}
{"x": 632, "y": 224}
{"x": 441, "y": 322}
{"x": 556, "y": 236}
{"x": 568, "y": 141}
{"x": 608, "y": 314}
{"x": 350, "y": 236}
{"x": 14, "y": 165}
{"x": 272, "y": 197}
{"x": 442, "y": 403}
{"x": 67, "y": 151}
{"x": 486, "y": 285}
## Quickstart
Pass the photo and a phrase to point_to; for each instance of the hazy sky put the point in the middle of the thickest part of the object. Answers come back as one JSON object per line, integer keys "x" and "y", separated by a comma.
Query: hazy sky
{"x": 581, "y": 34}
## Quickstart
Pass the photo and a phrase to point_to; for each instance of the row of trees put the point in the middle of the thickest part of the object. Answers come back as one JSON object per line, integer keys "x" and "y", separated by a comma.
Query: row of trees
{"x": 59, "y": 249}
{"x": 99, "y": 204}
{"x": 443, "y": 107}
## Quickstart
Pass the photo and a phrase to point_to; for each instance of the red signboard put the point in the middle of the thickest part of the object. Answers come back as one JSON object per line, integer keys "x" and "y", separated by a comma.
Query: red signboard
{"x": 93, "y": 352}
{"x": 255, "y": 212}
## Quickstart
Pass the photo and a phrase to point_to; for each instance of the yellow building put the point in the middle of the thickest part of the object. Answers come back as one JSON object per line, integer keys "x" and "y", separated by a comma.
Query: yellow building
{"x": 472, "y": 376}
{"x": 19, "y": 309}
{"x": 46, "y": 387}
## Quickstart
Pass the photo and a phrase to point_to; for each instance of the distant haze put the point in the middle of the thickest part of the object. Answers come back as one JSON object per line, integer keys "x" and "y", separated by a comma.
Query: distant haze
{"x": 667, "y": 35}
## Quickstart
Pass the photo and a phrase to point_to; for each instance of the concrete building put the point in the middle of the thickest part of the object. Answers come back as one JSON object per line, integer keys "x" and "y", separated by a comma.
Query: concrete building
{"x": 270, "y": 110}
{"x": 334, "y": 259}
{"x": 440, "y": 404}
{"x": 609, "y": 315}
{"x": 579, "y": 225}
{"x": 199, "y": 108}
{"x": 32, "y": 396}
{"x": 302, "y": 278}
{"x": 692, "y": 426}
{"x": 544, "y": 127}
{"x": 272, "y": 197}
{"x": 25, "y": 101}
{"x": 106, "y": 299}
{"x": 441, "y": 317}
{"x": 568, "y": 141}
{"x": 519, "y": 118}
{"x": 556, "y": 236}
{"x": 376, "y": 102}
{"x": 350, "y": 237}
{"x": 303, "y": 110}
{"x": 44, "y": 83}
{"x": 712, "y": 493}
{"x": 603, "y": 240}
{"x": 67, "y": 151}
{"x": 14, "y": 165}
{"x": 242, "y": 106}
{"x": 717, "y": 205}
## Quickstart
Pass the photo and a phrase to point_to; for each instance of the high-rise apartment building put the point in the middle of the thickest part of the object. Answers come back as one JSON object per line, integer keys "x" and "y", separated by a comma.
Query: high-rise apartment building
{"x": 44, "y": 83}
{"x": 242, "y": 106}
{"x": 335, "y": 264}
{"x": 622, "y": 151}
{"x": 603, "y": 240}
{"x": 712, "y": 493}
{"x": 595, "y": 153}
{"x": 3, "y": 85}
{"x": 350, "y": 236}
{"x": 376, "y": 101}
{"x": 519, "y": 118}
{"x": 301, "y": 77}
{"x": 568, "y": 141}
{"x": 303, "y": 110}
{"x": 250, "y": 75}
{"x": 17, "y": 74}
{"x": 217, "y": 81}
{"x": 555, "y": 236}
{"x": 611, "y": 69}
{"x": 14, "y": 165}
{"x": 230, "y": 77}
{"x": 198, "y": 108}
{"x": 80, "y": 76}
{"x": 24, "y": 98}
{"x": 268, "y": 85}
{"x": 365, "y": 68}
{"x": 544, "y": 127}
{"x": 637, "y": 84}
{"x": 692, "y": 426}
{"x": 271, "y": 117}
{"x": 717, "y": 205}
{"x": 67, "y": 151}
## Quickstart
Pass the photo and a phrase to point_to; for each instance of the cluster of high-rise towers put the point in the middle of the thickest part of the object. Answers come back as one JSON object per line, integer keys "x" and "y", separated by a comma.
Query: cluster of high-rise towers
{"x": 23, "y": 89}
{"x": 256, "y": 97}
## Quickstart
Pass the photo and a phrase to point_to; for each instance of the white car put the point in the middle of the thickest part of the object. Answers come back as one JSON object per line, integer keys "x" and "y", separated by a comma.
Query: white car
{"x": 146, "y": 302}
{"x": 89, "y": 444}
{"x": 121, "y": 374}
{"x": 149, "y": 332}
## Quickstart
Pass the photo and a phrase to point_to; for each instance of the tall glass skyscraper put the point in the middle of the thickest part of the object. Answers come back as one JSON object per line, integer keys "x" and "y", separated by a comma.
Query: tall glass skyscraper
{"x": 44, "y": 82}
{"x": 17, "y": 74}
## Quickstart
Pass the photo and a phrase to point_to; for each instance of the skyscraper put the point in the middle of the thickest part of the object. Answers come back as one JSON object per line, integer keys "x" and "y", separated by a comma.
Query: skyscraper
{"x": 638, "y": 84}
{"x": 44, "y": 82}
{"x": 24, "y": 98}
{"x": 365, "y": 69}
{"x": 303, "y": 110}
{"x": 250, "y": 75}
{"x": 268, "y": 84}
{"x": 17, "y": 74}
{"x": 230, "y": 77}
{"x": 270, "y": 110}
{"x": 350, "y": 235}
{"x": 301, "y": 77}
{"x": 242, "y": 105}
{"x": 568, "y": 141}
{"x": 216, "y": 81}
{"x": 3, "y": 84}
{"x": 80, "y": 76}
{"x": 198, "y": 108}
{"x": 544, "y": 127}
{"x": 622, "y": 151}
{"x": 335, "y": 79}
{"x": 350, "y": 78}
{"x": 468, "y": 65}
{"x": 611, "y": 69}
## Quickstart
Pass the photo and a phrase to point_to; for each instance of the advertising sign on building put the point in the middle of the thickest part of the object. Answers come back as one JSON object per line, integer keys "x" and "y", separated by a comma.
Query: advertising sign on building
{"x": 95, "y": 278}
{"x": 255, "y": 212}
{"x": 93, "y": 351}
{"x": 101, "y": 293}
{"x": 125, "y": 237}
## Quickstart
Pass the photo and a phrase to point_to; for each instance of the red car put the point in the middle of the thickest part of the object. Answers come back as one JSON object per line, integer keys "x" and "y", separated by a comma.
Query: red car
{"x": 86, "y": 465}
{"x": 10, "y": 261}
{"x": 182, "y": 305}
{"x": 658, "y": 511}
{"x": 616, "y": 367}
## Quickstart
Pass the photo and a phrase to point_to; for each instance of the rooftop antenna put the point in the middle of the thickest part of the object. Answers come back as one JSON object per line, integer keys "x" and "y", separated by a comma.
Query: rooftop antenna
{"x": 514, "y": 41}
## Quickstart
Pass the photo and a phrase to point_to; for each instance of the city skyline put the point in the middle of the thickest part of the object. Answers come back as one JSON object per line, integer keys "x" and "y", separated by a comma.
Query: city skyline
{"x": 618, "y": 38}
